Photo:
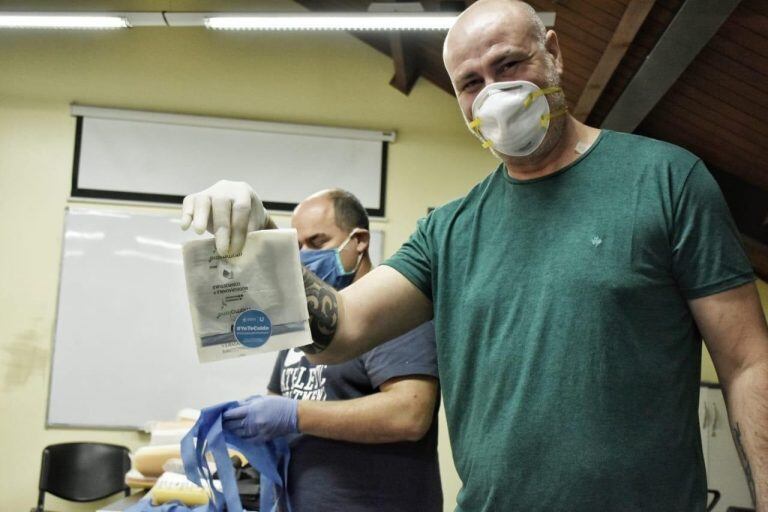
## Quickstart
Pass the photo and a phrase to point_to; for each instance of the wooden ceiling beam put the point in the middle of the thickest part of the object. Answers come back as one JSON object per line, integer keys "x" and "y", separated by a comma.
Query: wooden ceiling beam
{"x": 633, "y": 18}
{"x": 688, "y": 32}
{"x": 406, "y": 71}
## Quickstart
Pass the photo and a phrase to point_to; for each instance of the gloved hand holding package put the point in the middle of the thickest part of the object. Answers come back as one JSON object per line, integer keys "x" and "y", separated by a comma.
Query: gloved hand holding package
{"x": 250, "y": 302}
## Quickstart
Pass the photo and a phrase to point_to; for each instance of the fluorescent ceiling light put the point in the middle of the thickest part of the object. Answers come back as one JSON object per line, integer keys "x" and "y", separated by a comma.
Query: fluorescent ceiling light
{"x": 336, "y": 21}
{"x": 380, "y": 20}
{"x": 62, "y": 21}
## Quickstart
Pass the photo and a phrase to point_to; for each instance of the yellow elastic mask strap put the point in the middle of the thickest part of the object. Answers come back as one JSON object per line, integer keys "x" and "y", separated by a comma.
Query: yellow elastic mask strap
{"x": 474, "y": 125}
{"x": 557, "y": 113}
{"x": 541, "y": 92}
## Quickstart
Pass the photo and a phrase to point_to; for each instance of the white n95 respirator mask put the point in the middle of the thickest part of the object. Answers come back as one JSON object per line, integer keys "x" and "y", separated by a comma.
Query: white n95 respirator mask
{"x": 512, "y": 117}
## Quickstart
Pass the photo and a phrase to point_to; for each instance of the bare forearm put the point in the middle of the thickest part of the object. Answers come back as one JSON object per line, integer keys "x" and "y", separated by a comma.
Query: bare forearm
{"x": 371, "y": 419}
{"x": 747, "y": 397}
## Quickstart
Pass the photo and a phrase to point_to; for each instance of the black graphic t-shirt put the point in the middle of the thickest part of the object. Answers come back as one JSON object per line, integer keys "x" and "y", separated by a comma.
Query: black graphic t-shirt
{"x": 337, "y": 475}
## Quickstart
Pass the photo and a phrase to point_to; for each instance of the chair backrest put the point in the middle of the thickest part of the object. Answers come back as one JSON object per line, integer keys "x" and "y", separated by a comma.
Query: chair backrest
{"x": 83, "y": 471}
{"x": 715, "y": 499}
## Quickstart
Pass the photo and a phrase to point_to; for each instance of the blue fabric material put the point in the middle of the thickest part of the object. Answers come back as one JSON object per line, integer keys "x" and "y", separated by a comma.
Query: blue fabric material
{"x": 267, "y": 498}
{"x": 207, "y": 435}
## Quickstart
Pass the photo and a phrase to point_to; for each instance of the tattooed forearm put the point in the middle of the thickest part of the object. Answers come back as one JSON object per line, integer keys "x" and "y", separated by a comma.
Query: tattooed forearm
{"x": 744, "y": 461}
{"x": 323, "y": 312}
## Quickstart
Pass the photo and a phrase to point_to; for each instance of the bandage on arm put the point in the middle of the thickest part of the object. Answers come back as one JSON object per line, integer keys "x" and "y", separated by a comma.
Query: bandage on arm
{"x": 380, "y": 306}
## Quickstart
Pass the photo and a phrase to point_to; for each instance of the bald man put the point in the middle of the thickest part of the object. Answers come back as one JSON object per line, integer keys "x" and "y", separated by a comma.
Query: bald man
{"x": 368, "y": 439}
{"x": 570, "y": 290}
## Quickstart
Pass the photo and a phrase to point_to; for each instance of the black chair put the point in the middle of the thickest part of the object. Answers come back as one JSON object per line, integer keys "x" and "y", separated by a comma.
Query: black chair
{"x": 715, "y": 499}
{"x": 83, "y": 471}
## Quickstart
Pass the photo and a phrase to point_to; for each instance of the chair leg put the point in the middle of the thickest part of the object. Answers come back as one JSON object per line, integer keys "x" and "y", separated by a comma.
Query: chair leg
{"x": 40, "y": 500}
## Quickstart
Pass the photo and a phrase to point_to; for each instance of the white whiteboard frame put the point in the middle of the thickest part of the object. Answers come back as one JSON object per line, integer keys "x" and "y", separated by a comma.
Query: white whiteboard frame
{"x": 83, "y": 113}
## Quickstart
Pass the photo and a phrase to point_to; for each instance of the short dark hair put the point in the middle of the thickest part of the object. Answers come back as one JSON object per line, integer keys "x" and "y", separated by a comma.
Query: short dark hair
{"x": 348, "y": 210}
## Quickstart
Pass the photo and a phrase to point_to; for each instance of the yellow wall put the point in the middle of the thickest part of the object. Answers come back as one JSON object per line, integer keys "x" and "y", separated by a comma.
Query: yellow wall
{"x": 328, "y": 79}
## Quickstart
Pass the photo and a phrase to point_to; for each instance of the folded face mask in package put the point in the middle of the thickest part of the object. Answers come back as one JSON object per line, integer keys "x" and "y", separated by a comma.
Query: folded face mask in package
{"x": 251, "y": 302}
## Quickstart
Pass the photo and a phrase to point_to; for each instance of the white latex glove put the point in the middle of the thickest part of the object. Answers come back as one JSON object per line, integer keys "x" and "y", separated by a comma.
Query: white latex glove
{"x": 229, "y": 210}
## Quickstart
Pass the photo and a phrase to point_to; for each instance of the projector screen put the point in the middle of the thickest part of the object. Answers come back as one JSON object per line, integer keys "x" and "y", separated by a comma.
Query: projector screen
{"x": 150, "y": 156}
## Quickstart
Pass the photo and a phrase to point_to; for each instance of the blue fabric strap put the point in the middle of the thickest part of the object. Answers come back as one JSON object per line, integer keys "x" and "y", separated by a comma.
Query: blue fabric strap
{"x": 270, "y": 459}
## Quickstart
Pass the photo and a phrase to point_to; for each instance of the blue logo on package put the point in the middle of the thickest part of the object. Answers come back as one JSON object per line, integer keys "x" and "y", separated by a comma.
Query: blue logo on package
{"x": 252, "y": 328}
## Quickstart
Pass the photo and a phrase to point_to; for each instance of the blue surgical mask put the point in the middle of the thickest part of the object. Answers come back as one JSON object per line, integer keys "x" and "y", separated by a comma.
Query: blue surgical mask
{"x": 326, "y": 264}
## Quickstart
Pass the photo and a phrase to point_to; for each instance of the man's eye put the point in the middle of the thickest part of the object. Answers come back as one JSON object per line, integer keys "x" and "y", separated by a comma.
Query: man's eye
{"x": 470, "y": 85}
{"x": 319, "y": 244}
{"x": 508, "y": 65}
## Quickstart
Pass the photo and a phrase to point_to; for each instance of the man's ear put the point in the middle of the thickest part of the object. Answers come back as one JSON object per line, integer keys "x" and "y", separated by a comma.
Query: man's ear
{"x": 553, "y": 48}
{"x": 362, "y": 240}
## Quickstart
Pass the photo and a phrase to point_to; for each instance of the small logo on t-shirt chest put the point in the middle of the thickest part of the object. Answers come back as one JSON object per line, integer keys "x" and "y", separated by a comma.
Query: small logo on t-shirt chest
{"x": 596, "y": 241}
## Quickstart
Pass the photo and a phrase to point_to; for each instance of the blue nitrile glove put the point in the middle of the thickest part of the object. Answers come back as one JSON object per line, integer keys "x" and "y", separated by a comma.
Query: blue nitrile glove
{"x": 263, "y": 418}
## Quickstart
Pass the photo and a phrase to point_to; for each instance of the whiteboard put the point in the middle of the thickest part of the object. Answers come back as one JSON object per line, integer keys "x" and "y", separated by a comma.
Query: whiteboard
{"x": 150, "y": 156}
{"x": 123, "y": 348}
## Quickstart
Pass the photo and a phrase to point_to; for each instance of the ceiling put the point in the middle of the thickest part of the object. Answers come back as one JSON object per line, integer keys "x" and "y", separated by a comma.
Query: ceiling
{"x": 717, "y": 107}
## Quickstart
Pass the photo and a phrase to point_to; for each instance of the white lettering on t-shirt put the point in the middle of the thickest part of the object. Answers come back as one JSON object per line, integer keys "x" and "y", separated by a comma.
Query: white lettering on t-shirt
{"x": 303, "y": 383}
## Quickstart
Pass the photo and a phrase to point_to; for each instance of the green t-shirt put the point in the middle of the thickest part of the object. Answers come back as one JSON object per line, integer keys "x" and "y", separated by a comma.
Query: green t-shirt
{"x": 568, "y": 356}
